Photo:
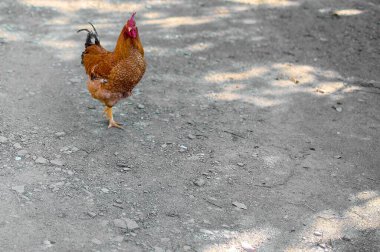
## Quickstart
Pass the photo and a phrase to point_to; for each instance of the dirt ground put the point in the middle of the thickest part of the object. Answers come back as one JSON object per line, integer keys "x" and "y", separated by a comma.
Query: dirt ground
{"x": 255, "y": 127}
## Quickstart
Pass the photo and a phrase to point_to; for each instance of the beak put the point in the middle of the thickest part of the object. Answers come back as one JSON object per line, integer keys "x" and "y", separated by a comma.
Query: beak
{"x": 129, "y": 29}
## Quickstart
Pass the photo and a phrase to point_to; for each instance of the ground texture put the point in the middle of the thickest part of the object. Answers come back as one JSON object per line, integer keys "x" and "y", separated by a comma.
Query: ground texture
{"x": 256, "y": 126}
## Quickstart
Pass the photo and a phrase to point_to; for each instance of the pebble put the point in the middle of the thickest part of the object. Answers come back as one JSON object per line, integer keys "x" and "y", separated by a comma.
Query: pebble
{"x": 17, "y": 146}
{"x": 74, "y": 149}
{"x": 20, "y": 189}
{"x": 247, "y": 247}
{"x": 346, "y": 238}
{"x": 41, "y": 160}
{"x": 3, "y": 139}
{"x": 118, "y": 238}
{"x": 17, "y": 158}
{"x": 105, "y": 190}
{"x": 186, "y": 248}
{"x": 158, "y": 249}
{"x": 119, "y": 223}
{"x": 47, "y": 243}
{"x": 239, "y": 205}
{"x": 182, "y": 148}
{"x": 22, "y": 153}
{"x": 199, "y": 182}
{"x": 316, "y": 233}
{"x": 165, "y": 240}
{"x": 74, "y": 80}
{"x": 57, "y": 162}
{"x": 131, "y": 224}
{"x": 322, "y": 245}
{"x": 240, "y": 164}
{"x": 206, "y": 231}
{"x": 140, "y": 106}
{"x": 96, "y": 241}
{"x": 60, "y": 134}
{"x": 91, "y": 214}
{"x": 122, "y": 164}
{"x": 190, "y": 136}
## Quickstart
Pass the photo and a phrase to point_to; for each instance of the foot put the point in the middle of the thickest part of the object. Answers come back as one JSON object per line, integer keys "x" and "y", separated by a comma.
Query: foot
{"x": 114, "y": 124}
{"x": 109, "y": 115}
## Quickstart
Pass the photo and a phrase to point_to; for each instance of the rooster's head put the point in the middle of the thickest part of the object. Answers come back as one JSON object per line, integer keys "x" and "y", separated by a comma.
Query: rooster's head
{"x": 130, "y": 28}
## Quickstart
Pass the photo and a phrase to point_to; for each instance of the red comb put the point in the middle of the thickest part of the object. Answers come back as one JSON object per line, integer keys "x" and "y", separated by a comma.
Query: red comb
{"x": 133, "y": 15}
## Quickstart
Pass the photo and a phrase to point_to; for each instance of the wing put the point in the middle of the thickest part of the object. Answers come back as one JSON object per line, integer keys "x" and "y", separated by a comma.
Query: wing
{"x": 98, "y": 62}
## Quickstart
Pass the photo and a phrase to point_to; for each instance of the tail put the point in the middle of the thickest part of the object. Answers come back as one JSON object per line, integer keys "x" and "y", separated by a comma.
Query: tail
{"x": 90, "y": 35}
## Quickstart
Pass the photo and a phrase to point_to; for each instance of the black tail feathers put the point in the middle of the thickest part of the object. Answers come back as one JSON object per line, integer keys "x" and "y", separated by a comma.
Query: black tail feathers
{"x": 91, "y": 35}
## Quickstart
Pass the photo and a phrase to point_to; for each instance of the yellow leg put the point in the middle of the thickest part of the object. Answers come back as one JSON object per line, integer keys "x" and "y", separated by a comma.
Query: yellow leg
{"x": 109, "y": 115}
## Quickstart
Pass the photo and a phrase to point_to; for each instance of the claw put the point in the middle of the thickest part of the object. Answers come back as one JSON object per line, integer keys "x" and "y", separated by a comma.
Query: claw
{"x": 114, "y": 124}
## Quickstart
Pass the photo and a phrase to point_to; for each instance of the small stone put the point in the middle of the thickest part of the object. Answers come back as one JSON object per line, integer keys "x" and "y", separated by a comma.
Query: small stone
{"x": 118, "y": 238}
{"x": 118, "y": 205}
{"x": 165, "y": 240}
{"x": 74, "y": 149}
{"x": 322, "y": 245}
{"x": 118, "y": 201}
{"x": 206, "y": 231}
{"x": 131, "y": 224}
{"x": 66, "y": 148}
{"x": 190, "y": 136}
{"x": 346, "y": 238}
{"x": 57, "y": 162}
{"x": 338, "y": 157}
{"x": 120, "y": 223}
{"x": 19, "y": 189}
{"x": 105, "y": 190}
{"x": 240, "y": 164}
{"x": 22, "y": 153}
{"x": 60, "y": 134}
{"x": 3, "y": 139}
{"x": 186, "y": 248}
{"x": 158, "y": 249}
{"x": 140, "y": 106}
{"x": 91, "y": 214}
{"x": 239, "y": 205}
{"x": 17, "y": 146}
{"x": 122, "y": 164}
{"x": 74, "y": 80}
{"x": 182, "y": 148}
{"x": 337, "y": 108}
{"x": 70, "y": 172}
{"x": 41, "y": 160}
{"x": 48, "y": 243}
{"x": 96, "y": 241}
{"x": 247, "y": 247}
{"x": 199, "y": 182}
{"x": 316, "y": 233}
{"x": 17, "y": 158}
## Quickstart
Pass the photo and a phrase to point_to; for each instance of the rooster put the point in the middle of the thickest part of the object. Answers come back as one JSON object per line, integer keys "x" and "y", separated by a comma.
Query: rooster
{"x": 113, "y": 75}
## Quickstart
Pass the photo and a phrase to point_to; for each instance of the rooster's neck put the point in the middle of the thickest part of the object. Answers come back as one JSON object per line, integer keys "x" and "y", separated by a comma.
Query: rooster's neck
{"x": 124, "y": 46}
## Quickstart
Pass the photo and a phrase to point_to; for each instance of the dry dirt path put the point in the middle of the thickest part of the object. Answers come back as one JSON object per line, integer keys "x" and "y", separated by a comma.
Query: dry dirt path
{"x": 257, "y": 125}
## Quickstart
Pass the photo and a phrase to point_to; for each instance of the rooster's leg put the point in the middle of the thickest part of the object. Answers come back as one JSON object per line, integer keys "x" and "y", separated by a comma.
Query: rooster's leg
{"x": 109, "y": 115}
